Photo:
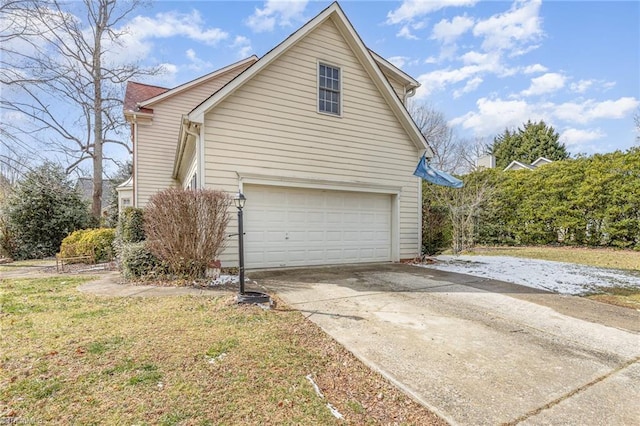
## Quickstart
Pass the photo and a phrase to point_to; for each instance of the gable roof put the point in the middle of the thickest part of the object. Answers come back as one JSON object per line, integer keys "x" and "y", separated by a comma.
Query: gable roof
{"x": 363, "y": 54}
{"x": 178, "y": 89}
{"x": 515, "y": 164}
{"x": 540, "y": 161}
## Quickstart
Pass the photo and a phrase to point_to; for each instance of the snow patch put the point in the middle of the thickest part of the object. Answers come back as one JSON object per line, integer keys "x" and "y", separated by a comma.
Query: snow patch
{"x": 558, "y": 277}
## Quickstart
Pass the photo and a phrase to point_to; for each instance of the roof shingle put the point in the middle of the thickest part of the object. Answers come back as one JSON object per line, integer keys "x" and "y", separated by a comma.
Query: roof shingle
{"x": 138, "y": 92}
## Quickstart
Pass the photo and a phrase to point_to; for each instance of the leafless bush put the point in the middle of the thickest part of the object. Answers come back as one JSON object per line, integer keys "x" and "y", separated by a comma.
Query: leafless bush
{"x": 186, "y": 228}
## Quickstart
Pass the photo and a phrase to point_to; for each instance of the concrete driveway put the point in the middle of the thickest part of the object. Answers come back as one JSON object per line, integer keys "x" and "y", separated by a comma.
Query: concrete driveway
{"x": 477, "y": 351}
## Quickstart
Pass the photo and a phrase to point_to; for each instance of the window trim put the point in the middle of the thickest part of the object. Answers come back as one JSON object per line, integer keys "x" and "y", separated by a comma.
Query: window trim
{"x": 340, "y": 93}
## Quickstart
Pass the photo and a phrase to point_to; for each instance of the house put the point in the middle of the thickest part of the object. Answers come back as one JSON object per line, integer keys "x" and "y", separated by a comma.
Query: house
{"x": 125, "y": 194}
{"x": 517, "y": 165}
{"x": 488, "y": 161}
{"x": 84, "y": 186}
{"x": 316, "y": 135}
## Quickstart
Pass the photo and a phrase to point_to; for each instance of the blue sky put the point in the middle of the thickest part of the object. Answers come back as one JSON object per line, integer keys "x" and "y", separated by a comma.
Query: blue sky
{"x": 485, "y": 65}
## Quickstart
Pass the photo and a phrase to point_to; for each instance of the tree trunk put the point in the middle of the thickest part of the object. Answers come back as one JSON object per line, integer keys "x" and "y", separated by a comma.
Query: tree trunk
{"x": 96, "y": 205}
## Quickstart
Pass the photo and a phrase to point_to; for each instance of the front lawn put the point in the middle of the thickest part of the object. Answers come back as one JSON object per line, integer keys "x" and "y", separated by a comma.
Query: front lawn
{"x": 602, "y": 257}
{"x": 67, "y": 357}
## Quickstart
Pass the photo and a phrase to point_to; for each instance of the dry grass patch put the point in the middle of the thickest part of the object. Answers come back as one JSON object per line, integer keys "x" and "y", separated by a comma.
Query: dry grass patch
{"x": 605, "y": 258}
{"x": 619, "y": 296}
{"x": 33, "y": 263}
{"x": 67, "y": 357}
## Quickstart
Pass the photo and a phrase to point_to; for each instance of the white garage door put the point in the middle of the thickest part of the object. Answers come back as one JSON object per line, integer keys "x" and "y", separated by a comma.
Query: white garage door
{"x": 298, "y": 227}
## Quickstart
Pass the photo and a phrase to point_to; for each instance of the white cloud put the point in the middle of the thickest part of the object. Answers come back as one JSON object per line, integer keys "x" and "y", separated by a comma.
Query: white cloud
{"x": 494, "y": 115}
{"x": 546, "y": 83}
{"x": 405, "y": 32}
{"x": 411, "y": 9}
{"x": 243, "y": 45}
{"x": 590, "y": 110}
{"x": 511, "y": 30}
{"x": 276, "y": 12}
{"x": 172, "y": 24}
{"x": 137, "y": 41}
{"x": 581, "y": 86}
{"x": 197, "y": 64}
{"x": 534, "y": 69}
{"x": 471, "y": 58}
{"x": 476, "y": 65}
{"x": 471, "y": 86}
{"x": 440, "y": 79}
{"x": 573, "y": 137}
{"x": 449, "y": 31}
{"x": 398, "y": 61}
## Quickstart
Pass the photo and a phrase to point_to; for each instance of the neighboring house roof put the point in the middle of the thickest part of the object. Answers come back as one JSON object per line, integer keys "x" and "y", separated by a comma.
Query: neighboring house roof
{"x": 517, "y": 165}
{"x": 127, "y": 184}
{"x": 360, "y": 51}
{"x": 84, "y": 186}
{"x": 541, "y": 161}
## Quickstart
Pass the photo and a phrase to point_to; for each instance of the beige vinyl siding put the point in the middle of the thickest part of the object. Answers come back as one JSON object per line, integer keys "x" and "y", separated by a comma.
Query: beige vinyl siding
{"x": 271, "y": 126}
{"x": 398, "y": 87}
{"x": 158, "y": 140}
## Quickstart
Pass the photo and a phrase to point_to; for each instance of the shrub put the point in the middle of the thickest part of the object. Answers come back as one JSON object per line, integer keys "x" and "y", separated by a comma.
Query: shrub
{"x": 137, "y": 262}
{"x": 131, "y": 226}
{"x": 41, "y": 211}
{"x": 89, "y": 242}
{"x": 186, "y": 228}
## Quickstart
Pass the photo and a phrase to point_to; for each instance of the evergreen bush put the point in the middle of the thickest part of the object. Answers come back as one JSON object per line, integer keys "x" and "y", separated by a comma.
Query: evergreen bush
{"x": 89, "y": 242}
{"x": 137, "y": 262}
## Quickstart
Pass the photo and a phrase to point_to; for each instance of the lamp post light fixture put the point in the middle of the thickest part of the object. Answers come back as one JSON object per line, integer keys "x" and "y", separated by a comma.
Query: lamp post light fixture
{"x": 239, "y": 201}
{"x": 245, "y": 296}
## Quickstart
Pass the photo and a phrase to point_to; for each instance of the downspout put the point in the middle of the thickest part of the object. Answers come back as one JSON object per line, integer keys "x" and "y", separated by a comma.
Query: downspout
{"x": 408, "y": 94}
{"x": 134, "y": 182}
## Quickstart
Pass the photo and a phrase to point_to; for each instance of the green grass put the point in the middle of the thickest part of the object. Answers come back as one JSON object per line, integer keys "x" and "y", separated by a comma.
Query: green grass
{"x": 26, "y": 264}
{"x": 605, "y": 258}
{"x": 68, "y": 357}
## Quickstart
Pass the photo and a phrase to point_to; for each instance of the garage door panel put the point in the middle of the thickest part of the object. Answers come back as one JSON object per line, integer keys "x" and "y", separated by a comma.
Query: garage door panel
{"x": 296, "y": 227}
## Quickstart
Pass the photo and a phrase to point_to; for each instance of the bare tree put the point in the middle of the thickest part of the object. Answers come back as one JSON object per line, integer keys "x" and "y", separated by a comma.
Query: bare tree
{"x": 463, "y": 207}
{"x": 449, "y": 151}
{"x": 471, "y": 150}
{"x": 65, "y": 83}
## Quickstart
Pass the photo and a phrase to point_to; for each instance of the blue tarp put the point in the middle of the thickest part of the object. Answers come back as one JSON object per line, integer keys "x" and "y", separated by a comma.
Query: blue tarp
{"x": 438, "y": 177}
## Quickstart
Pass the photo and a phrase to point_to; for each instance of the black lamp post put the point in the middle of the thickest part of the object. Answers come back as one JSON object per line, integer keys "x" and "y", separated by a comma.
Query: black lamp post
{"x": 239, "y": 201}
{"x": 245, "y": 296}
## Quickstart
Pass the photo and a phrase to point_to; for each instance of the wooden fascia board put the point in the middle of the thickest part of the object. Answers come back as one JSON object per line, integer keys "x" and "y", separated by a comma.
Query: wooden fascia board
{"x": 137, "y": 117}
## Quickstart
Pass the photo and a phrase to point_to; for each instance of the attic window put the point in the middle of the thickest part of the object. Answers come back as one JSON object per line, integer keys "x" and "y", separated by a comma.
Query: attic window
{"x": 328, "y": 89}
